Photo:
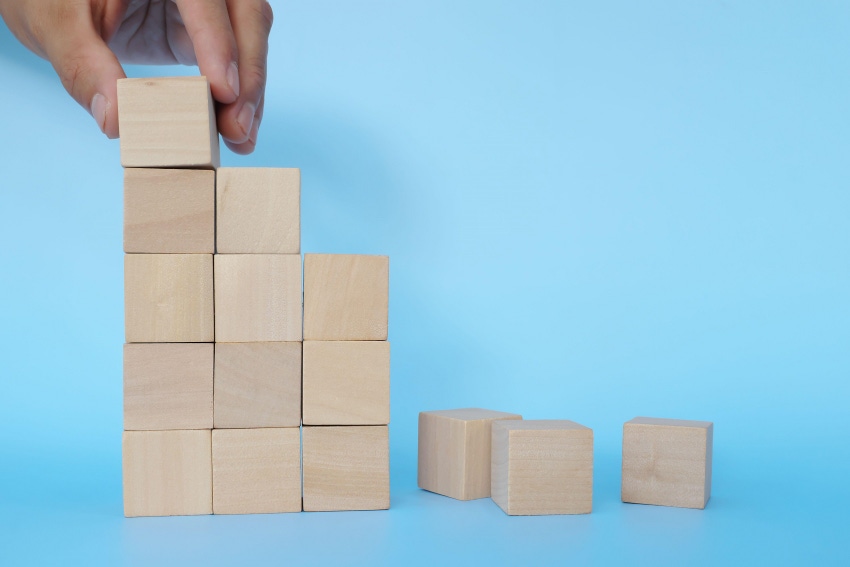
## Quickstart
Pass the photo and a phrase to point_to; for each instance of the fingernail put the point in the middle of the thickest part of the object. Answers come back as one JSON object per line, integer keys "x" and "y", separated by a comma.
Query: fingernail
{"x": 98, "y": 109}
{"x": 232, "y": 77}
{"x": 255, "y": 129}
{"x": 246, "y": 118}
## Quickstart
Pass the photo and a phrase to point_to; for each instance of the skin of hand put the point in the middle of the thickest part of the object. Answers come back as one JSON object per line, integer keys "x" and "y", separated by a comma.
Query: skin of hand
{"x": 85, "y": 41}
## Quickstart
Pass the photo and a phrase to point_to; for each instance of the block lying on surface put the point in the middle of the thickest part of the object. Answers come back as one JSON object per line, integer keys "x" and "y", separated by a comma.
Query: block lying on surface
{"x": 454, "y": 451}
{"x": 346, "y": 468}
{"x": 667, "y": 462}
{"x": 346, "y": 383}
{"x": 542, "y": 467}
{"x": 256, "y": 471}
{"x": 167, "y": 473}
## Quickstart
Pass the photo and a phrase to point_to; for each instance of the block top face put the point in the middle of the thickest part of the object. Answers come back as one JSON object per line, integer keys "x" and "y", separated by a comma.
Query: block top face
{"x": 541, "y": 425}
{"x": 670, "y": 422}
{"x": 473, "y": 414}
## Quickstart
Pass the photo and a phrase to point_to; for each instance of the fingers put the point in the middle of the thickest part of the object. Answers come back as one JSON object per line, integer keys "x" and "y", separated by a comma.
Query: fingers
{"x": 248, "y": 145}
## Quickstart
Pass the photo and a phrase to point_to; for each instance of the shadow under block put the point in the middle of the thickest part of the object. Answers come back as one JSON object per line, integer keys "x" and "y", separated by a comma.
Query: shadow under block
{"x": 345, "y": 297}
{"x": 346, "y": 468}
{"x": 167, "y": 473}
{"x": 454, "y": 451}
{"x": 168, "y": 386}
{"x": 169, "y": 211}
{"x": 258, "y": 210}
{"x": 167, "y": 122}
{"x": 257, "y": 385}
{"x": 346, "y": 383}
{"x": 542, "y": 467}
{"x": 168, "y": 298}
{"x": 256, "y": 471}
{"x": 667, "y": 462}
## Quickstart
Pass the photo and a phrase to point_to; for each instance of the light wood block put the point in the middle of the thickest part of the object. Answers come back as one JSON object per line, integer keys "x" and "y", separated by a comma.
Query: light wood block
{"x": 346, "y": 383}
{"x": 168, "y": 298}
{"x": 167, "y": 122}
{"x": 258, "y": 210}
{"x": 542, "y": 467}
{"x": 346, "y": 297}
{"x": 454, "y": 451}
{"x": 346, "y": 468}
{"x": 168, "y": 386}
{"x": 256, "y": 471}
{"x": 169, "y": 211}
{"x": 667, "y": 462}
{"x": 257, "y": 385}
{"x": 167, "y": 473}
{"x": 257, "y": 297}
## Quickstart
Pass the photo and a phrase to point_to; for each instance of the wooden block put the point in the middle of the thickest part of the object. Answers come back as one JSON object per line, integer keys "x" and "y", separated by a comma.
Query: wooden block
{"x": 346, "y": 468}
{"x": 345, "y": 297}
{"x": 257, "y": 385}
{"x": 258, "y": 210}
{"x": 168, "y": 386}
{"x": 167, "y": 122}
{"x": 256, "y": 471}
{"x": 542, "y": 467}
{"x": 454, "y": 451}
{"x": 167, "y": 473}
{"x": 168, "y": 298}
{"x": 346, "y": 383}
{"x": 667, "y": 462}
{"x": 257, "y": 297}
{"x": 169, "y": 211}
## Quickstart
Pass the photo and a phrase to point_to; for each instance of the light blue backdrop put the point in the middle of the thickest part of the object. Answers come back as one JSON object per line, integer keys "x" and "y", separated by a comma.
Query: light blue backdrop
{"x": 593, "y": 211}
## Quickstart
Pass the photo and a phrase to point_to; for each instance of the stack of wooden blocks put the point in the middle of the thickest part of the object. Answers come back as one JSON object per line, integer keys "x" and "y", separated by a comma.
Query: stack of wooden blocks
{"x": 226, "y": 359}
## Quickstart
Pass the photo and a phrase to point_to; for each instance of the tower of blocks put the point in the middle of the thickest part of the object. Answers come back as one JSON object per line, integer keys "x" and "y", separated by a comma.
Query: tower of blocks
{"x": 243, "y": 392}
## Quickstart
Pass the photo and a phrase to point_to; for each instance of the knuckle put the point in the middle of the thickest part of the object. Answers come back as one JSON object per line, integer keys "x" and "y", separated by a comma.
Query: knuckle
{"x": 72, "y": 71}
{"x": 253, "y": 75}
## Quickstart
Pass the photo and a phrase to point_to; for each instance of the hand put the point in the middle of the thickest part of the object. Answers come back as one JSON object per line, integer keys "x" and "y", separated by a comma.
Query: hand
{"x": 84, "y": 40}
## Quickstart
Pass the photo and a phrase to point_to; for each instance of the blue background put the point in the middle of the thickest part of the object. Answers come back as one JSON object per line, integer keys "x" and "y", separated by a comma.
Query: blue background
{"x": 593, "y": 211}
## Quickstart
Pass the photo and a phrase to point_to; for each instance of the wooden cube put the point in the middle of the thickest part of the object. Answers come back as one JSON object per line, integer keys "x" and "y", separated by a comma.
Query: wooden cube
{"x": 257, "y": 385}
{"x": 542, "y": 467}
{"x": 167, "y": 473}
{"x": 345, "y": 297}
{"x": 454, "y": 451}
{"x": 167, "y": 122}
{"x": 346, "y": 468}
{"x": 667, "y": 462}
{"x": 256, "y": 471}
{"x": 346, "y": 383}
{"x": 258, "y": 210}
{"x": 168, "y": 298}
{"x": 168, "y": 386}
{"x": 169, "y": 211}
{"x": 257, "y": 297}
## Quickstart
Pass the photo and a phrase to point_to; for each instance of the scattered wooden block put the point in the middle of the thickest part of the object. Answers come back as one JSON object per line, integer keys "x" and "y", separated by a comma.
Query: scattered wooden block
{"x": 169, "y": 211}
{"x": 167, "y": 122}
{"x": 346, "y": 383}
{"x": 257, "y": 297}
{"x": 345, "y": 297}
{"x": 167, "y": 473}
{"x": 168, "y": 386}
{"x": 258, "y": 210}
{"x": 542, "y": 467}
{"x": 256, "y": 471}
{"x": 168, "y": 298}
{"x": 346, "y": 468}
{"x": 454, "y": 451}
{"x": 667, "y": 462}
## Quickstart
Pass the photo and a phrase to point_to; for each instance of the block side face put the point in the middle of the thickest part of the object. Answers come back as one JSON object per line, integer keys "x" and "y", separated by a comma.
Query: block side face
{"x": 499, "y": 463}
{"x": 472, "y": 414}
{"x": 709, "y": 451}
{"x": 441, "y": 456}
{"x": 477, "y": 458}
{"x": 669, "y": 422}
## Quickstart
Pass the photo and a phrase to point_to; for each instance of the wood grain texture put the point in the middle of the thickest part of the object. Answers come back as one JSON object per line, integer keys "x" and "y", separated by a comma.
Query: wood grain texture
{"x": 168, "y": 386}
{"x": 346, "y": 383}
{"x": 256, "y": 471}
{"x": 345, "y": 297}
{"x": 542, "y": 467}
{"x": 168, "y": 298}
{"x": 257, "y": 385}
{"x": 258, "y": 210}
{"x": 667, "y": 462}
{"x": 167, "y": 122}
{"x": 454, "y": 451}
{"x": 346, "y": 468}
{"x": 169, "y": 211}
{"x": 167, "y": 473}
